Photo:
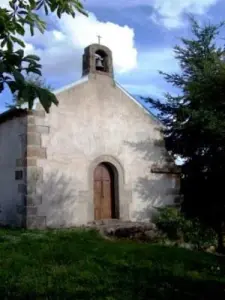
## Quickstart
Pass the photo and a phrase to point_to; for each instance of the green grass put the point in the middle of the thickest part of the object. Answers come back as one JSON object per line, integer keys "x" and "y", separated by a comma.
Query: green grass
{"x": 77, "y": 264}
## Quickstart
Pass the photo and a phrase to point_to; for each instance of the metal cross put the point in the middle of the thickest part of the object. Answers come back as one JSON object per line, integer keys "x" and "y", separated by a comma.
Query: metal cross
{"x": 99, "y": 38}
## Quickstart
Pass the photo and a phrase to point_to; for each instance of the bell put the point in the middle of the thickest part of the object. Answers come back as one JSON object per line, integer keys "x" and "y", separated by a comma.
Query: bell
{"x": 99, "y": 64}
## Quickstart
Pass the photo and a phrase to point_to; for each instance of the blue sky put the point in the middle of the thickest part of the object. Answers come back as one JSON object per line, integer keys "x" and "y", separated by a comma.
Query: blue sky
{"x": 141, "y": 34}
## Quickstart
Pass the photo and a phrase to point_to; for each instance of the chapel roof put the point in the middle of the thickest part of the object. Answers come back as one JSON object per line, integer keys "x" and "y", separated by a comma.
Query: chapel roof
{"x": 12, "y": 113}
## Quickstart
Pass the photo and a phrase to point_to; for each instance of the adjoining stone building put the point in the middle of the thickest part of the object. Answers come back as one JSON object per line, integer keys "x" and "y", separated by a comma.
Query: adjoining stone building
{"x": 98, "y": 155}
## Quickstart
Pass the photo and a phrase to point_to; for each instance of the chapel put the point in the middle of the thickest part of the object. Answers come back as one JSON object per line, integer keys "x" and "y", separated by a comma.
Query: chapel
{"x": 98, "y": 155}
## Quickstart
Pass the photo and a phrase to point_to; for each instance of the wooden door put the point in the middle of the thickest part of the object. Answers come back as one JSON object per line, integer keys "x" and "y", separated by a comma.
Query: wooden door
{"x": 102, "y": 192}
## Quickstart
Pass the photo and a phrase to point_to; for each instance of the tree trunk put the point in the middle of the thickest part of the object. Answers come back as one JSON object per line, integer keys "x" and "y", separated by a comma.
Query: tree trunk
{"x": 221, "y": 238}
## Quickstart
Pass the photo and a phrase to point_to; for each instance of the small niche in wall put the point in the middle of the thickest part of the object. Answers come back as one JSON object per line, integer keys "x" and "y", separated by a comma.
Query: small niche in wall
{"x": 18, "y": 175}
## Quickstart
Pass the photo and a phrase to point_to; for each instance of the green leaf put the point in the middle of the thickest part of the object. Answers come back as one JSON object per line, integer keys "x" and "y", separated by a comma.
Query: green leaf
{"x": 9, "y": 45}
{"x": 46, "y": 9}
{"x": 20, "y": 52}
{"x": 16, "y": 40}
{"x": 32, "y": 4}
{"x": 31, "y": 57}
{"x": 40, "y": 24}
{"x": 12, "y": 4}
{"x": 39, "y": 4}
{"x": 53, "y": 98}
{"x": 28, "y": 95}
{"x": 3, "y": 43}
{"x": 18, "y": 76}
{"x": 53, "y": 6}
{"x": 36, "y": 71}
{"x": 59, "y": 12}
{"x": 79, "y": 7}
{"x": 31, "y": 29}
{"x": 2, "y": 67}
{"x": 13, "y": 86}
{"x": 44, "y": 99}
{"x": 1, "y": 87}
{"x": 38, "y": 65}
{"x": 19, "y": 28}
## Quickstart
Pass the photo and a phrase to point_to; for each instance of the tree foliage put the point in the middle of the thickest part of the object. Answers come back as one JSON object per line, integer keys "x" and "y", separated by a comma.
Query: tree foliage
{"x": 36, "y": 82}
{"x": 195, "y": 123}
{"x": 14, "y": 63}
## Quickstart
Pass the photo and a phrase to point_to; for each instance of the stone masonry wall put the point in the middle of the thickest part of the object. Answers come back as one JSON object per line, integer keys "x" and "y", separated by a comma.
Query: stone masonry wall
{"x": 34, "y": 173}
{"x": 12, "y": 146}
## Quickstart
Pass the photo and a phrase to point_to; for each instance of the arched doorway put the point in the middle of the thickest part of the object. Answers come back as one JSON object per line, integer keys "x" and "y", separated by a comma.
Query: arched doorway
{"x": 105, "y": 192}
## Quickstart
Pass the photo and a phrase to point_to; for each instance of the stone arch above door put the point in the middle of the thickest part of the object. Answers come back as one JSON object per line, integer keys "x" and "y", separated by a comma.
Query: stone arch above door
{"x": 124, "y": 193}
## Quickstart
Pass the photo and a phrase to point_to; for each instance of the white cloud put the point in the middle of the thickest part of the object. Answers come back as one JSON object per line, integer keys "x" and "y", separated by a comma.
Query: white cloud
{"x": 150, "y": 63}
{"x": 61, "y": 50}
{"x": 170, "y": 12}
{"x": 158, "y": 59}
{"x": 4, "y": 4}
{"x": 147, "y": 80}
{"x": 116, "y": 3}
{"x": 166, "y": 12}
{"x": 174, "y": 8}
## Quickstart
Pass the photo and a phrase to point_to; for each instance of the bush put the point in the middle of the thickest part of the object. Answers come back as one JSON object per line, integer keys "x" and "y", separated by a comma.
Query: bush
{"x": 200, "y": 235}
{"x": 178, "y": 228}
{"x": 170, "y": 221}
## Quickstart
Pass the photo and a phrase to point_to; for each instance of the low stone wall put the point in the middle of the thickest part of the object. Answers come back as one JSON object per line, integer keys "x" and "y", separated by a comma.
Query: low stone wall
{"x": 129, "y": 230}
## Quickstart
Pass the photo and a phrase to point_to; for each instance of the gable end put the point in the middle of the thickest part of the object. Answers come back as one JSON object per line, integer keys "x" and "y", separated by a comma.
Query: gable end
{"x": 139, "y": 104}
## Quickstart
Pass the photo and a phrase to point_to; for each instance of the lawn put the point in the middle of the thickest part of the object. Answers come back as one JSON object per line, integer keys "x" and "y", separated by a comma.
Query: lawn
{"x": 76, "y": 264}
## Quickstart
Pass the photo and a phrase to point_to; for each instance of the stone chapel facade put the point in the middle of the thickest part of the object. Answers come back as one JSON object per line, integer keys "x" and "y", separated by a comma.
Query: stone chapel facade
{"x": 98, "y": 155}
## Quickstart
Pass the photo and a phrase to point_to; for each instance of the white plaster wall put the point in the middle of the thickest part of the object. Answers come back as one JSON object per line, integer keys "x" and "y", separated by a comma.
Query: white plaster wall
{"x": 93, "y": 119}
{"x": 11, "y": 148}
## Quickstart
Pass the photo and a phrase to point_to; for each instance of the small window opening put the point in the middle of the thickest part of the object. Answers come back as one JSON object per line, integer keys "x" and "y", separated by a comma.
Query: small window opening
{"x": 19, "y": 175}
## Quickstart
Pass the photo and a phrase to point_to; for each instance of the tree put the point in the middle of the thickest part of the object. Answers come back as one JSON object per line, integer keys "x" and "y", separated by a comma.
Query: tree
{"x": 36, "y": 82}
{"x": 14, "y": 64}
{"x": 195, "y": 124}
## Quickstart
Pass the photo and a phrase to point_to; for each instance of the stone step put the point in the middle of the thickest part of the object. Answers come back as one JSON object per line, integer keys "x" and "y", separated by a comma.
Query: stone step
{"x": 105, "y": 222}
{"x": 125, "y": 229}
